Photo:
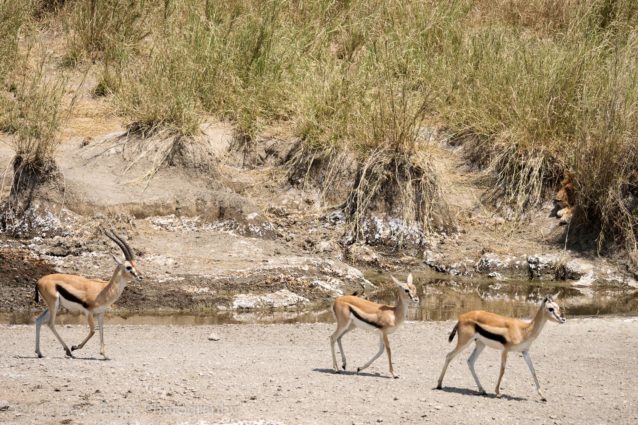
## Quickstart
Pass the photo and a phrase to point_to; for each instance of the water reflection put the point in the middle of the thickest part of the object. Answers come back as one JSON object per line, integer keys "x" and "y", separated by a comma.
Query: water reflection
{"x": 446, "y": 299}
{"x": 440, "y": 299}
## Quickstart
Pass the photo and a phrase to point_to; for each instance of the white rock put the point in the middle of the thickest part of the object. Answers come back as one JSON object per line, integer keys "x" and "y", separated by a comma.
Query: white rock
{"x": 578, "y": 268}
{"x": 279, "y": 299}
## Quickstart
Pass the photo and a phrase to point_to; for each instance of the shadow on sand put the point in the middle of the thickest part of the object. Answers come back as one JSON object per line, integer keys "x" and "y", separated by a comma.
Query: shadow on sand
{"x": 63, "y": 357}
{"x": 351, "y": 373}
{"x": 465, "y": 391}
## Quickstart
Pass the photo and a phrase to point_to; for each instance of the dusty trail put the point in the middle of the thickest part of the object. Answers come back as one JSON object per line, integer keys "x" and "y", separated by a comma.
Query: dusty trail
{"x": 280, "y": 373}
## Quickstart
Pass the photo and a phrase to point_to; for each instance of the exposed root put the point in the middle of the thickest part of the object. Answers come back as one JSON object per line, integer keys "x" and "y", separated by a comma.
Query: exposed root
{"x": 398, "y": 185}
{"x": 165, "y": 149}
{"x": 23, "y": 214}
{"x": 330, "y": 170}
{"x": 520, "y": 178}
{"x": 28, "y": 175}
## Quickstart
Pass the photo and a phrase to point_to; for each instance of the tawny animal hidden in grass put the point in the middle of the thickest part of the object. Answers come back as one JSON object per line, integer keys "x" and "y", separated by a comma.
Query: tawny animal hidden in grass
{"x": 80, "y": 294}
{"x": 501, "y": 333}
{"x": 352, "y": 312}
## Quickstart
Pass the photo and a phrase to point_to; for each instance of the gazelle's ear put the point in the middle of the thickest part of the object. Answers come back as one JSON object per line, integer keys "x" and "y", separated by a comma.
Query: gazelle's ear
{"x": 396, "y": 282}
{"x": 555, "y": 296}
{"x": 410, "y": 279}
{"x": 116, "y": 260}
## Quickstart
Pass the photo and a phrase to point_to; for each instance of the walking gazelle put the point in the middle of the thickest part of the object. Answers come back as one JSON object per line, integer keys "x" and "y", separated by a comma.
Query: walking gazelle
{"x": 351, "y": 312}
{"x": 501, "y": 333}
{"x": 81, "y": 294}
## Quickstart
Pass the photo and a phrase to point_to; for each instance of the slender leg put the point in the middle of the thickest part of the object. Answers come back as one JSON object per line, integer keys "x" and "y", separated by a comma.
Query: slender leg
{"x": 44, "y": 317}
{"x": 343, "y": 353}
{"x": 450, "y": 356}
{"x": 336, "y": 337}
{"x": 100, "y": 323}
{"x": 53, "y": 313}
{"x": 386, "y": 342}
{"x": 528, "y": 360}
{"x": 376, "y": 356}
{"x": 91, "y": 323}
{"x": 472, "y": 359}
{"x": 500, "y": 376}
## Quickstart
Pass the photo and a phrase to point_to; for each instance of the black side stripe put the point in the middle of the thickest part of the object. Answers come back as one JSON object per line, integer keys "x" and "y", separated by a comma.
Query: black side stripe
{"x": 369, "y": 322}
{"x": 69, "y": 296}
{"x": 489, "y": 335}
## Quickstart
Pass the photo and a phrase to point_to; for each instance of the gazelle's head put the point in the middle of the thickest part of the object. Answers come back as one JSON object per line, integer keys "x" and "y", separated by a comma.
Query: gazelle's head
{"x": 552, "y": 309}
{"x": 128, "y": 267}
{"x": 407, "y": 289}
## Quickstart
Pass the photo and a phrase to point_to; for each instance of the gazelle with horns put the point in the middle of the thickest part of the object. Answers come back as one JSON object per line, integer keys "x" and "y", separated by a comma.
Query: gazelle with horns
{"x": 352, "y": 312}
{"x": 80, "y": 294}
{"x": 501, "y": 333}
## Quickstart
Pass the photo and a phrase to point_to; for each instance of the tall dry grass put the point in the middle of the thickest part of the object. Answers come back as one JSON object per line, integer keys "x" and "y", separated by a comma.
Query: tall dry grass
{"x": 35, "y": 114}
{"x": 536, "y": 88}
{"x": 15, "y": 23}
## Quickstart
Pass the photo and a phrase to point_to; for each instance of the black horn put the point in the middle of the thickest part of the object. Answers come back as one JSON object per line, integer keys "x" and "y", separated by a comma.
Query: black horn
{"x": 128, "y": 252}
{"x": 131, "y": 255}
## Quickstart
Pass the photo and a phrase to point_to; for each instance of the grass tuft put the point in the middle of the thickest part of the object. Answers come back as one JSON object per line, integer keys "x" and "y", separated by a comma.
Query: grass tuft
{"x": 35, "y": 115}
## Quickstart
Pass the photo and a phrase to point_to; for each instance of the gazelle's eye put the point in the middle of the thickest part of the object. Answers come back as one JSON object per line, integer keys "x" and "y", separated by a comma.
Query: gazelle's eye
{"x": 551, "y": 309}
{"x": 129, "y": 268}
{"x": 407, "y": 291}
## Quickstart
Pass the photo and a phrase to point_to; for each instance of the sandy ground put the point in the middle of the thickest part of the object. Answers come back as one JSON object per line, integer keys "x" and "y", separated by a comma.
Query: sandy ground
{"x": 281, "y": 374}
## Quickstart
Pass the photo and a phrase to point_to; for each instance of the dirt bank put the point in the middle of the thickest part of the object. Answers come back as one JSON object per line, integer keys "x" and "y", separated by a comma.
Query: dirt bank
{"x": 280, "y": 373}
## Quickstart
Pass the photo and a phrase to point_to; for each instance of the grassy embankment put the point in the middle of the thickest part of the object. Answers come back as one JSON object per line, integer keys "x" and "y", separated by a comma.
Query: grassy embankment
{"x": 534, "y": 88}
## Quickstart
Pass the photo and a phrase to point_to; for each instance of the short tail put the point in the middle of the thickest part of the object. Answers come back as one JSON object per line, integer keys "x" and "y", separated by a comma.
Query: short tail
{"x": 451, "y": 337}
{"x": 37, "y": 295}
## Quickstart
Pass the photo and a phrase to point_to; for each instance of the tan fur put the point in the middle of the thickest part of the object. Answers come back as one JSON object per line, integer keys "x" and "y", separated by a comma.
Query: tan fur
{"x": 564, "y": 203}
{"x": 381, "y": 318}
{"x": 96, "y": 295}
{"x": 518, "y": 336}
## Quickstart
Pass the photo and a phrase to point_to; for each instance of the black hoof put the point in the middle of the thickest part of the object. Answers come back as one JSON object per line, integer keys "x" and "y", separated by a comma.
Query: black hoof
{"x": 343, "y": 366}
{"x": 358, "y": 370}
{"x": 70, "y": 354}
{"x": 74, "y": 347}
{"x": 439, "y": 387}
{"x": 39, "y": 355}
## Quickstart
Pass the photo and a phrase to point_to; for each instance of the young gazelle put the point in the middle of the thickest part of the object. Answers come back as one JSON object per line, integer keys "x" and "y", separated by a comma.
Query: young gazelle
{"x": 502, "y": 333}
{"x": 80, "y": 294}
{"x": 352, "y": 312}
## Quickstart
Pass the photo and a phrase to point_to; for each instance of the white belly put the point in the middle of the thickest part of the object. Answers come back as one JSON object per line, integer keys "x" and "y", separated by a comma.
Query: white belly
{"x": 361, "y": 324}
{"x": 489, "y": 342}
{"x": 71, "y": 306}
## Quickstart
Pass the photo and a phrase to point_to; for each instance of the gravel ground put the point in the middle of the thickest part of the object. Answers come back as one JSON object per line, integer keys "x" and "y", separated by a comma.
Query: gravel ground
{"x": 281, "y": 374}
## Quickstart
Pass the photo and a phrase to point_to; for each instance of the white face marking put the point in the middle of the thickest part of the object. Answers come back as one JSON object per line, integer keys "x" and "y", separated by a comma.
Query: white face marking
{"x": 130, "y": 272}
{"x": 407, "y": 288}
{"x": 553, "y": 311}
{"x": 411, "y": 291}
